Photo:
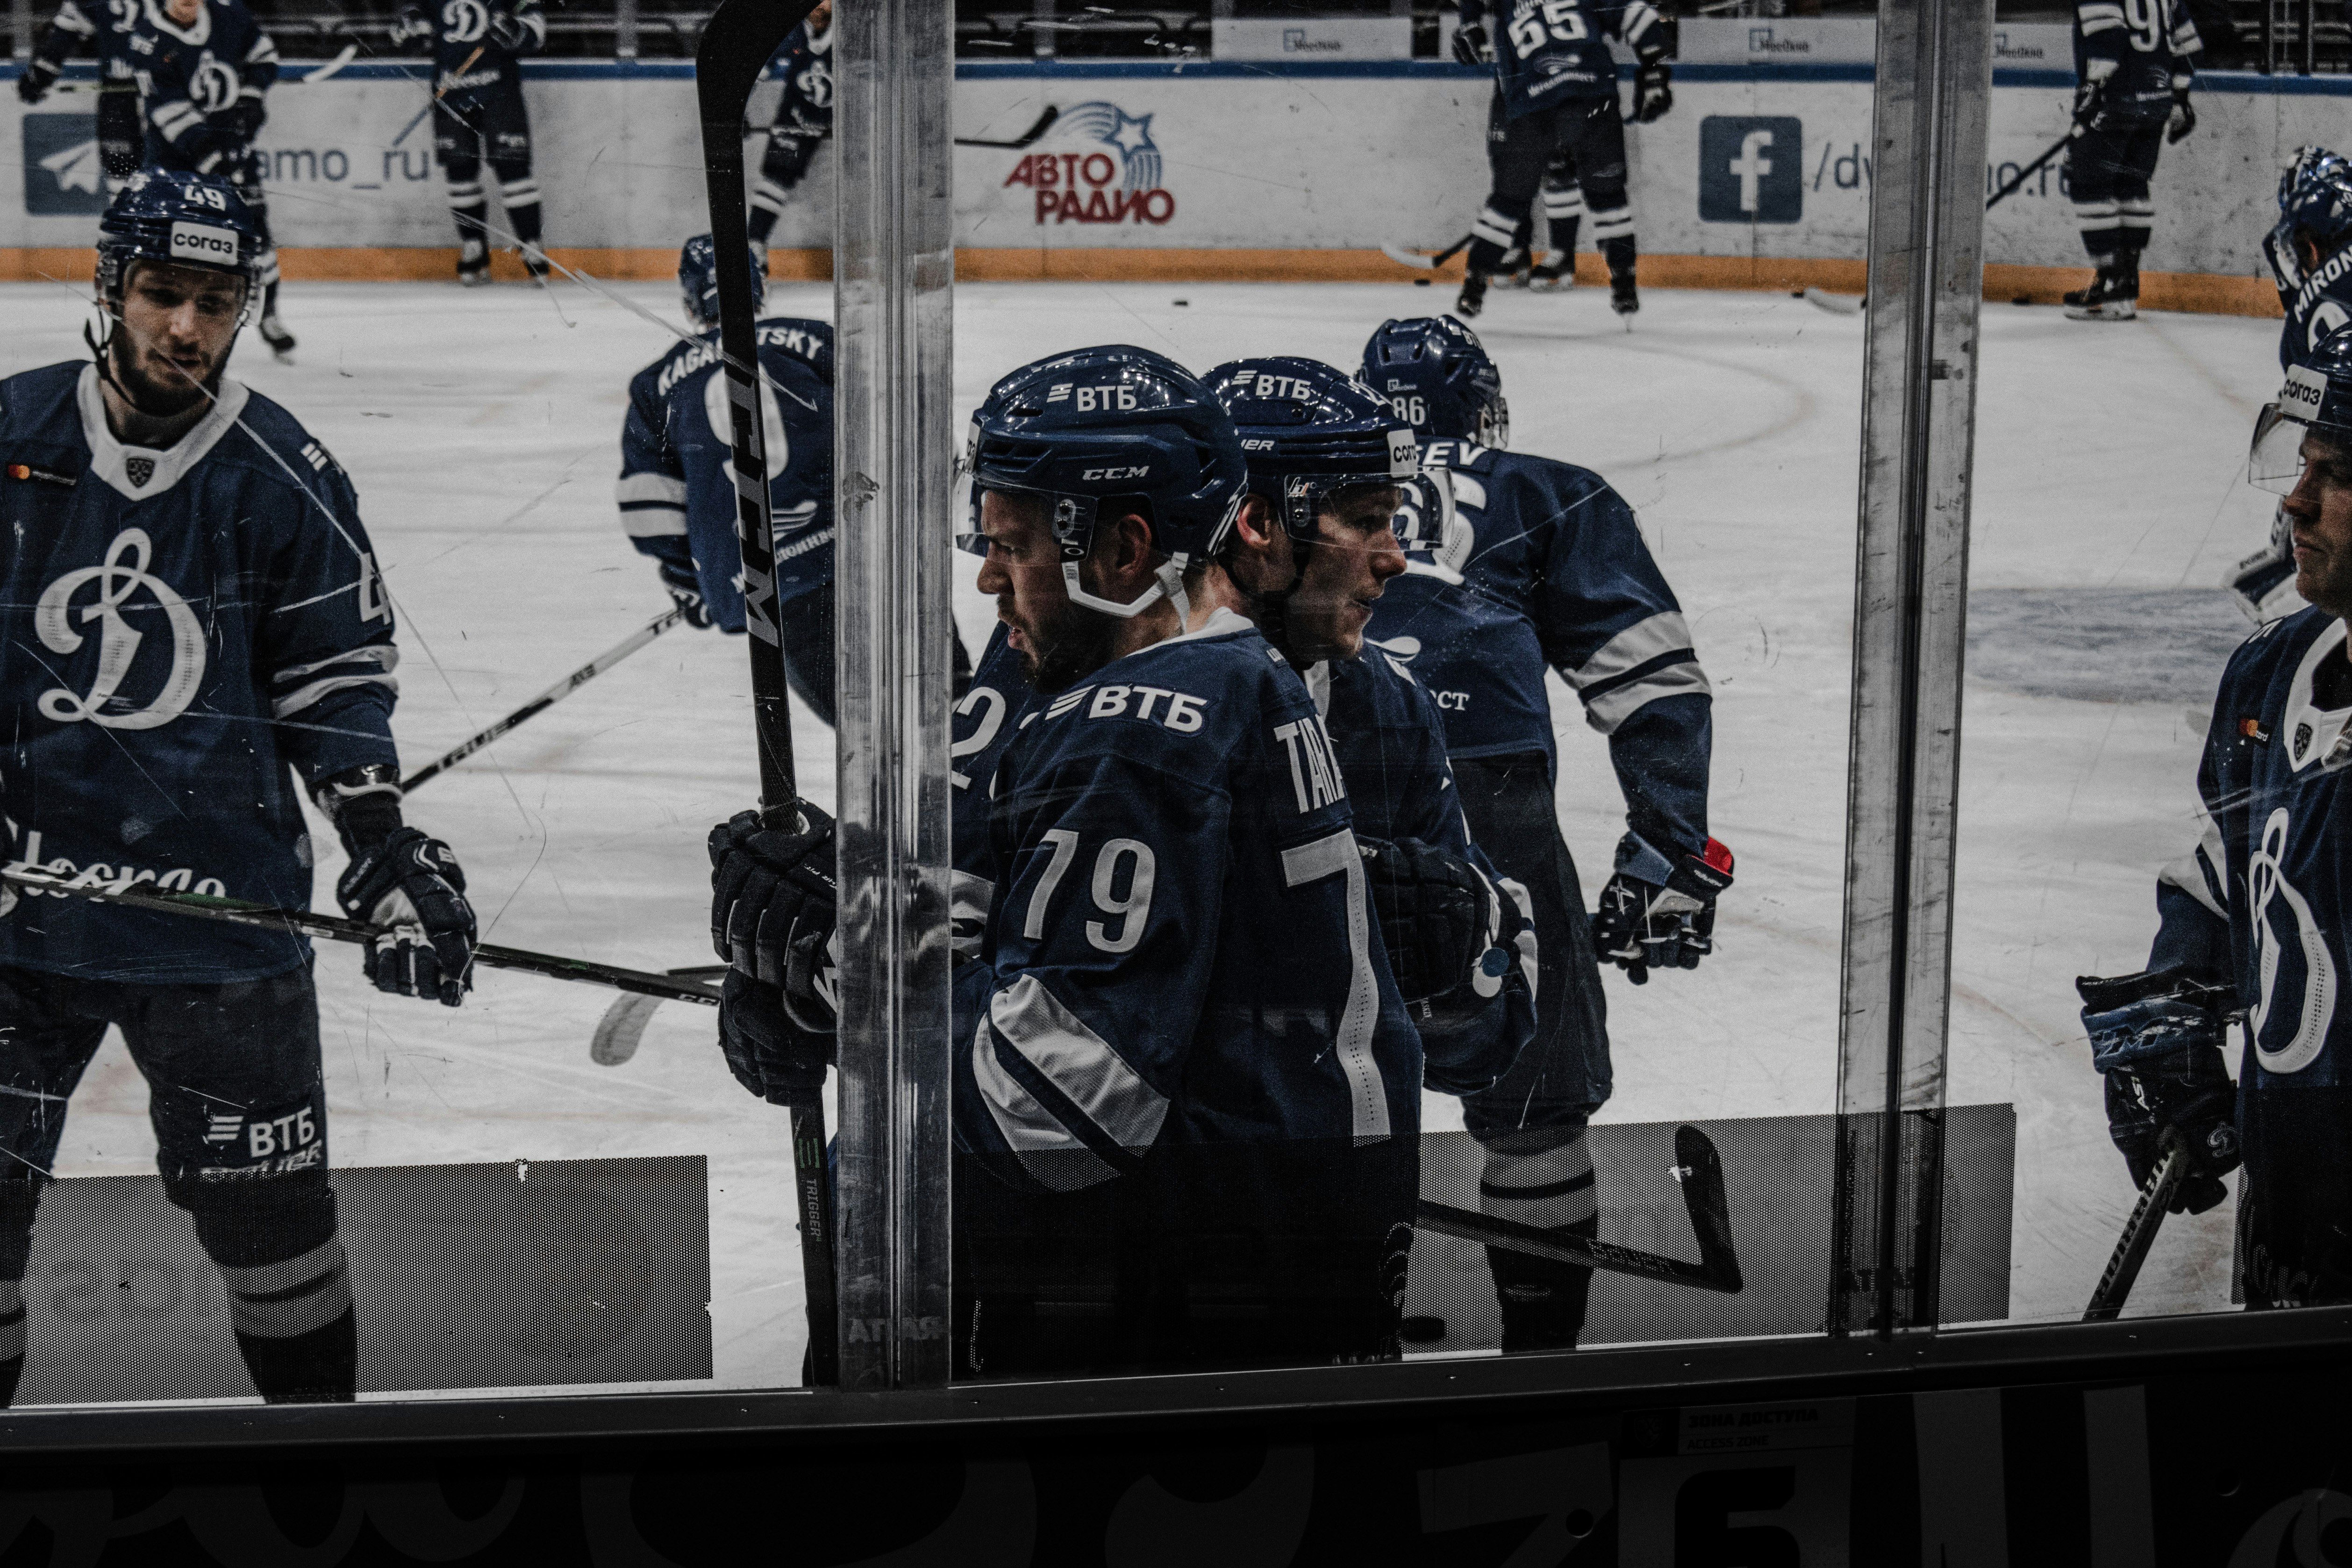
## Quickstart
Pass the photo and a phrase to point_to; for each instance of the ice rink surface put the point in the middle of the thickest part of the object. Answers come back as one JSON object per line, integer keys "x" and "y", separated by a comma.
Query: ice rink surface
{"x": 481, "y": 429}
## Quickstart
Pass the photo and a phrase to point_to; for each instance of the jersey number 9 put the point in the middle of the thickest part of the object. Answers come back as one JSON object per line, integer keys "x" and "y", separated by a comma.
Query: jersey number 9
{"x": 2145, "y": 20}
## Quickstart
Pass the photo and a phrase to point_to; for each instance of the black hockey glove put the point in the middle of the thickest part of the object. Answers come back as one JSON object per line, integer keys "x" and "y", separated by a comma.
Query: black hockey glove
{"x": 773, "y": 909}
{"x": 1470, "y": 46}
{"x": 1659, "y": 913}
{"x": 413, "y": 884}
{"x": 2182, "y": 120}
{"x": 2091, "y": 102}
{"x": 39, "y": 76}
{"x": 1652, "y": 96}
{"x": 770, "y": 1055}
{"x": 685, "y": 587}
{"x": 2157, "y": 1037}
{"x": 1439, "y": 916}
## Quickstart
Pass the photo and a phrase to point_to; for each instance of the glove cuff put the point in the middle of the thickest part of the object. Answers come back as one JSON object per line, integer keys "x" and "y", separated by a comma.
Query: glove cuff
{"x": 364, "y": 802}
{"x": 1702, "y": 876}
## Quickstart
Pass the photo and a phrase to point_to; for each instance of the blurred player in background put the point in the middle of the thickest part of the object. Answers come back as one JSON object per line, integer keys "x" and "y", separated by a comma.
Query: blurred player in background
{"x": 2253, "y": 922}
{"x": 107, "y": 27}
{"x": 190, "y": 610}
{"x": 677, "y": 490}
{"x": 1542, "y": 566}
{"x": 203, "y": 66}
{"x": 2133, "y": 68}
{"x": 2310, "y": 255}
{"x": 478, "y": 48}
{"x": 803, "y": 120}
{"x": 1555, "y": 92}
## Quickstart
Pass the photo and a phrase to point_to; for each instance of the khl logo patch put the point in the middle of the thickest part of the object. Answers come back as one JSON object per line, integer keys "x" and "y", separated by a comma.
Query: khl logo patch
{"x": 1751, "y": 169}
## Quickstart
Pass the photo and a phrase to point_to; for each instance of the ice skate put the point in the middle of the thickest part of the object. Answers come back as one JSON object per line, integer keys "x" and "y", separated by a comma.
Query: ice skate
{"x": 535, "y": 263}
{"x": 2113, "y": 295}
{"x": 1472, "y": 298}
{"x": 273, "y": 333}
{"x": 1623, "y": 298}
{"x": 473, "y": 263}
{"x": 1554, "y": 274}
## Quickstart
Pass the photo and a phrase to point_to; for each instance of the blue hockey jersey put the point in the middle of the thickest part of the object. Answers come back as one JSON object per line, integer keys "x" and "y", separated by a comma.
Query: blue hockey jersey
{"x": 2262, "y": 903}
{"x": 176, "y": 628}
{"x": 804, "y": 64}
{"x": 677, "y": 490}
{"x": 106, "y": 27}
{"x": 2150, "y": 42}
{"x": 983, "y": 724}
{"x": 1549, "y": 51}
{"x": 469, "y": 54}
{"x": 189, "y": 78}
{"x": 2317, "y": 306}
{"x": 1179, "y": 982}
{"x": 1546, "y": 566}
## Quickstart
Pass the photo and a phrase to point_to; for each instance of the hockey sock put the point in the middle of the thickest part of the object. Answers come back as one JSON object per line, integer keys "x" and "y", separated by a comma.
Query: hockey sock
{"x": 320, "y": 1367}
{"x": 1564, "y": 214}
{"x": 520, "y": 198}
{"x": 2101, "y": 225}
{"x": 2136, "y": 217}
{"x": 266, "y": 265}
{"x": 1619, "y": 253}
{"x": 292, "y": 1314}
{"x": 1542, "y": 1301}
{"x": 12, "y": 1339}
{"x": 1491, "y": 238}
{"x": 762, "y": 217}
{"x": 466, "y": 206}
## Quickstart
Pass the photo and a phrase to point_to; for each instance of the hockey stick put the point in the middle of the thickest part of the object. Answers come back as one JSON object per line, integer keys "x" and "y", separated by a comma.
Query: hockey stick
{"x": 1405, "y": 256}
{"x": 1027, "y": 137}
{"x": 549, "y": 698}
{"x": 237, "y": 912}
{"x": 350, "y": 52}
{"x": 2139, "y": 1231}
{"x": 1835, "y": 304}
{"x": 623, "y": 1027}
{"x": 737, "y": 44}
{"x": 2033, "y": 168}
{"x": 1701, "y": 1176}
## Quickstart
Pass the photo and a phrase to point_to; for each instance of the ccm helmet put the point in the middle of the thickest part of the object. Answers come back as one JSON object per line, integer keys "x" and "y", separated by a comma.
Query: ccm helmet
{"x": 2307, "y": 161}
{"x": 1435, "y": 373}
{"x": 1308, "y": 429}
{"x": 2315, "y": 400}
{"x": 181, "y": 218}
{"x": 698, "y": 280}
{"x": 1118, "y": 427}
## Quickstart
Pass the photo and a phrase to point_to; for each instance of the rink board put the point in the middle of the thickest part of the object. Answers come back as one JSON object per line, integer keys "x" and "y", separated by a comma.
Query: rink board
{"x": 517, "y": 1275}
{"x": 1306, "y": 169}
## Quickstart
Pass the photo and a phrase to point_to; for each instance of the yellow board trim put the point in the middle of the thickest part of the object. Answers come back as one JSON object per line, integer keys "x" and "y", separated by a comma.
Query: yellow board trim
{"x": 2203, "y": 293}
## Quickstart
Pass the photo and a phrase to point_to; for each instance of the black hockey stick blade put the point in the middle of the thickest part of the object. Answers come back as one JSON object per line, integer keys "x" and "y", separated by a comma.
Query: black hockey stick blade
{"x": 1406, "y": 256}
{"x": 1026, "y": 139}
{"x": 2027, "y": 173}
{"x": 547, "y": 698}
{"x": 623, "y": 1027}
{"x": 1701, "y": 1176}
{"x": 2139, "y": 1232}
{"x": 737, "y": 43}
{"x": 237, "y": 912}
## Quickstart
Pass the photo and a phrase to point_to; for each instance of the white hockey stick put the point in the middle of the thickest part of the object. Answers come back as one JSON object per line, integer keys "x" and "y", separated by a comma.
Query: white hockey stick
{"x": 1406, "y": 256}
{"x": 1835, "y": 304}
{"x": 623, "y": 1027}
{"x": 351, "y": 52}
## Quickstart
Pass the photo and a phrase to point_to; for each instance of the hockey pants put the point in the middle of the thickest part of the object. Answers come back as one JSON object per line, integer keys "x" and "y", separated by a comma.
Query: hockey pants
{"x": 239, "y": 1113}
{"x": 490, "y": 119}
{"x": 1590, "y": 134}
{"x": 1530, "y": 1124}
{"x": 792, "y": 146}
{"x": 2108, "y": 171}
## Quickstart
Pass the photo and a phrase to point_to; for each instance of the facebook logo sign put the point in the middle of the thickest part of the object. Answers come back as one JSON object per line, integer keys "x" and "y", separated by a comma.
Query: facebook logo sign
{"x": 1751, "y": 169}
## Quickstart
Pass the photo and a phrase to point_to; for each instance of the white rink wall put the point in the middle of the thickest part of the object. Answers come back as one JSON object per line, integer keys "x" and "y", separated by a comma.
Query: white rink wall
{"x": 1216, "y": 156}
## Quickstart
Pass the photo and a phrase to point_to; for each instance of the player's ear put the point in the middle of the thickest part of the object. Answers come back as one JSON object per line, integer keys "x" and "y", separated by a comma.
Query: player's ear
{"x": 1256, "y": 521}
{"x": 1129, "y": 559}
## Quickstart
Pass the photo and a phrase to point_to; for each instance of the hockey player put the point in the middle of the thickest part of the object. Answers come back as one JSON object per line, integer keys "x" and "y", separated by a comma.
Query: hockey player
{"x": 1543, "y": 565}
{"x": 1555, "y": 90}
{"x": 803, "y": 119}
{"x": 107, "y": 28}
{"x": 1309, "y": 555}
{"x": 478, "y": 111}
{"x": 191, "y": 608}
{"x": 1188, "y": 1091}
{"x": 2252, "y": 922}
{"x": 202, "y": 68}
{"x": 2133, "y": 70}
{"x": 677, "y": 490}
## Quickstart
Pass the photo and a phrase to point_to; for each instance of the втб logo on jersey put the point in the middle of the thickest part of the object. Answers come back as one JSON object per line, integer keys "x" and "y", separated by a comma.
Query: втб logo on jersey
{"x": 1106, "y": 169}
{"x": 118, "y": 583}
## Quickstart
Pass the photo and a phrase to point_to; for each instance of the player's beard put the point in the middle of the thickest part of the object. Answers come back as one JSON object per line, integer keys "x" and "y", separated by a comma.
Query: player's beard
{"x": 158, "y": 397}
{"x": 1065, "y": 649}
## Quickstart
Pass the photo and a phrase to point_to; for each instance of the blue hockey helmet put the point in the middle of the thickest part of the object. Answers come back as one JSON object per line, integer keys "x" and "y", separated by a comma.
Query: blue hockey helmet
{"x": 2307, "y": 161}
{"x": 1111, "y": 426}
{"x": 698, "y": 280}
{"x": 2316, "y": 399}
{"x": 1436, "y": 374}
{"x": 2319, "y": 209}
{"x": 1308, "y": 429}
{"x": 181, "y": 218}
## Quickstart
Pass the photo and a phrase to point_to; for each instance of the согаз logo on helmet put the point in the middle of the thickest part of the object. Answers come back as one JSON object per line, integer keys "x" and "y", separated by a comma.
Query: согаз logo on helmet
{"x": 1102, "y": 167}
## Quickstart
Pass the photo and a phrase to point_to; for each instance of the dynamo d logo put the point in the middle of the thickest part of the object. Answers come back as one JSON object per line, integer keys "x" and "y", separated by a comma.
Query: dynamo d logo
{"x": 1104, "y": 168}
{"x": 63, "y": 174}
{"x": 122, "y": 576}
